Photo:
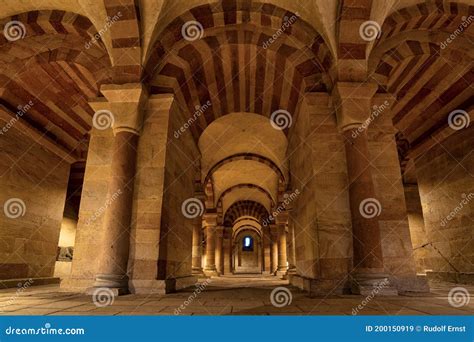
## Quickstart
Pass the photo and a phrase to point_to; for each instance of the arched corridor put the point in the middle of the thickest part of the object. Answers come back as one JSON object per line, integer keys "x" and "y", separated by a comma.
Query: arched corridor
{"x": 149, "y": 146}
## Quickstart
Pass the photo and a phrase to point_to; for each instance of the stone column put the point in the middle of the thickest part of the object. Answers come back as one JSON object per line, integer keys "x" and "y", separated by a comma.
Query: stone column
{"x": 282, "y": 258}
{"x": 353, "y": 102}
{"x": 227, "y": 250}
{"x": 210, "y": 223}
{"x": 291, "y": 249}
{"x": 267, "y": 250}
{"x": 219, "y": 250}
{"x": 197, "y": 245}
{"x": 274, "y": 237}
{"x": 123, "y": 111}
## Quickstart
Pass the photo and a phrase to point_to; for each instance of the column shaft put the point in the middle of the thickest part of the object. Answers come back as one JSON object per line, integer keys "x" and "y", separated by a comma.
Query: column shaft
{"x": 197, "y": 245}
{"x": 210, "y": 268}
{"x": 112, "y": 270}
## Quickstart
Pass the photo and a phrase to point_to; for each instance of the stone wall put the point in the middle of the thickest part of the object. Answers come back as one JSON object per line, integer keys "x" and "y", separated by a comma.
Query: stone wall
{"x": 92, "y": 211}
{"x": 321, "y": 214}
{"x": 28, "y": 172}
{"x": 397, "y": 247}
{"x": 446, "y": 182}
{"x": 417, "y": 226}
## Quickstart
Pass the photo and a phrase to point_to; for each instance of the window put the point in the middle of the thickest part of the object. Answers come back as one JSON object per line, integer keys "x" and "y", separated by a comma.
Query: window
{"x": 247, "y": 245}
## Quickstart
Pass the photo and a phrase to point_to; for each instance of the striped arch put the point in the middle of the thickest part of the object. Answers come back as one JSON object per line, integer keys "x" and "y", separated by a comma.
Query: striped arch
{"x": 126, "y": 43}
{"x": 244, "y": 208}
{"x": 66, "y": 74}
{"x": 429, "y": 80}
{"x": 233, "y": 66}
{"x": 246, "y": 156}
{"x": 245, "y": 186}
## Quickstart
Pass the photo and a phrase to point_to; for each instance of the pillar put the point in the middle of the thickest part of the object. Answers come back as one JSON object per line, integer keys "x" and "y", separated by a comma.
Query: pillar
{"x": 274, "y": 237}
{"x": 196, "y": 252}
{"x": 210, "y": 226}
{"x": 227, "y": 250}
{"x": 353, "y": 102}
{"x": 267, "y": 250}
{"x": 219, "y": 255}
{"x": 291, "y": 249}
{"x": 282, "y": 256}
{"x": 124, "y": 104}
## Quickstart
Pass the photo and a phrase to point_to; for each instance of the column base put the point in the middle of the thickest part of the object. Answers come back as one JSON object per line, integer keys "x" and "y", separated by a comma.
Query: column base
{"x": 197, "y": 271}
{"x": 374, "y": 284}
{"x": 116, "y": 284}
{"x": 319, "y": 287}
{"x": 161, "y": 287}
{"x": 211, "y": 272}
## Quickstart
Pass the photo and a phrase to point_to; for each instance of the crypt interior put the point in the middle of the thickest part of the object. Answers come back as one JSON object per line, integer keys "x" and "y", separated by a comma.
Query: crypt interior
{"x": 149, "y": 146}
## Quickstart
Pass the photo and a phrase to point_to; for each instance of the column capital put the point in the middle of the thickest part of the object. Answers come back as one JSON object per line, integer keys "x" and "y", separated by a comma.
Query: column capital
{"x": 353, "y": 102}
{"x": 124, "y": 103}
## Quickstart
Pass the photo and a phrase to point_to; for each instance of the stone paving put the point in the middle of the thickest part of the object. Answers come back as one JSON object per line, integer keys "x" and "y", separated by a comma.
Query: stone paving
{"x": 229, "y": 296}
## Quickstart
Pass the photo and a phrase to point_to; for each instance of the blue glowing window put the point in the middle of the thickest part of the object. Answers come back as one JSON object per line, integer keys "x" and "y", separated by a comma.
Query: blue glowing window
{"x": 247, "y": 244}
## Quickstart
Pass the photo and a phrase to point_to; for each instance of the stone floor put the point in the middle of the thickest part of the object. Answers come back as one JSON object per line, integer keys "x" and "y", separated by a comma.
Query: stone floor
{"x": 229, "y": 296}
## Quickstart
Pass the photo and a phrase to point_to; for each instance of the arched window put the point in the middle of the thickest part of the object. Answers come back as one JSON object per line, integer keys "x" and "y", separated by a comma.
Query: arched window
{"x": 247, "y": 244}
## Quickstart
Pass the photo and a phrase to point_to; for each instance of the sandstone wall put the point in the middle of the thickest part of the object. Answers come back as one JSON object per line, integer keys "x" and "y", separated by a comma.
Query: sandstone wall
{"x": 28, "y": 243}
{"x": 397, "y": 247}
{"x": 446, "y": 182}
{"x": 92, "y": 211}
